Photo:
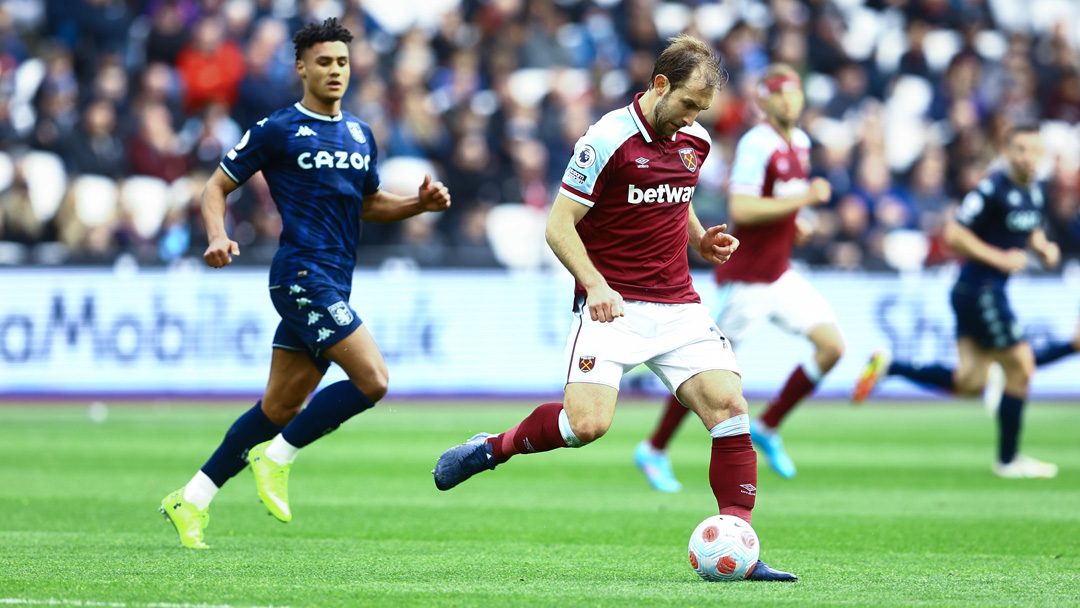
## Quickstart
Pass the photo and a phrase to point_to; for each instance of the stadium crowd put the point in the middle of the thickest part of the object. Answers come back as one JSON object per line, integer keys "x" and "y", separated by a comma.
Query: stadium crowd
{"x": 113, "y": 113}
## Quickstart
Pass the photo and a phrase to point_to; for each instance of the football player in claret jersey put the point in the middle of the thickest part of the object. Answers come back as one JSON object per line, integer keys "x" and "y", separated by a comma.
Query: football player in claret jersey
{"x": 321, "y": 166}
{"x": 991, "y": 228}
{"x": 621, "y": 224}
{"x": 769, "y": 185}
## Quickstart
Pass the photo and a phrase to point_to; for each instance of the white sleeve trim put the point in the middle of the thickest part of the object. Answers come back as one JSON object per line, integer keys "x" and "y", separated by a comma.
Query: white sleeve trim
{"x": 576, "y": 197}
{"x": 229, "y": 173}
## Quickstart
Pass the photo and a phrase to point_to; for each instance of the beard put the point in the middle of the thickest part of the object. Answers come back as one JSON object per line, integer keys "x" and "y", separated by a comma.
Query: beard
{"x": 660, "y": 117}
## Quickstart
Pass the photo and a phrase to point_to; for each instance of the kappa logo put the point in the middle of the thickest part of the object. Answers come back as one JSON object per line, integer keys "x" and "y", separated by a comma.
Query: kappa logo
{"x": 748, "y": 488}
{"x": 356, "y": 132}
{"x": 340, "y": 312}
{"x": 324, "y": 334}
{"x": 689, "y": 158}
{"x": 642, "y": 162}
{"x": 305, "y": 131}
{"x": 313, "y": 317}
{"x": 585, "y": 364}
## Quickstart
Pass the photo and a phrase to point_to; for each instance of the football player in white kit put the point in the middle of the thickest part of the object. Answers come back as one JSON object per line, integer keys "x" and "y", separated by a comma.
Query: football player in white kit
{"x": 769, "y": 185}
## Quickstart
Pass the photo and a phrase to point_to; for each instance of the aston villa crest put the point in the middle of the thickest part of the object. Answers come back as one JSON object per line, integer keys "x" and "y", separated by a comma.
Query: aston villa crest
{"x": 689, "y": 158}
{"x": 585, "y": 364}
{"x": 358, "y": 133}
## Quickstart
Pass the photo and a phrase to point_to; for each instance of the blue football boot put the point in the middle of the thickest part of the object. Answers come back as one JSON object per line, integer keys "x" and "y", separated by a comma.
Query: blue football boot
{"x": 463, "y": 461}
{"x": 770, "y": 443}
{"x": 655, "y": 465}
{"x": 762, "y": 572}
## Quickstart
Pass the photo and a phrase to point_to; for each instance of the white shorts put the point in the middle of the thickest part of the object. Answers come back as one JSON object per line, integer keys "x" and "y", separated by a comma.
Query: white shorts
{"x": 790, "y": 302}
{"x": 676, "y": 341}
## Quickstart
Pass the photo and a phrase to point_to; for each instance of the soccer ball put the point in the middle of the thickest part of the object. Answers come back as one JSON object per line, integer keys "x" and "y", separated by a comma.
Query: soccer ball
{"x": 723, "y": 548}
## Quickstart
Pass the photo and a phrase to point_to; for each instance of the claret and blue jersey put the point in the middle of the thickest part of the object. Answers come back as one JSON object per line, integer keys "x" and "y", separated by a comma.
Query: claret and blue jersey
{"x": 319, "y": 169}
{"x": 1003, "y": 214}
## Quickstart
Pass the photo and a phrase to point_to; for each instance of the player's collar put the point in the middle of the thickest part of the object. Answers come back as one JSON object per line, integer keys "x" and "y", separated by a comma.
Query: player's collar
{"x": 643, "y": 125}
{"x": 300, "y": 108}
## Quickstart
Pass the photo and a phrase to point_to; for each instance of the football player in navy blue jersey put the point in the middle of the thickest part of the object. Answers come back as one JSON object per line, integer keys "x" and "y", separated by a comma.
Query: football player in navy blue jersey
{"x": 321, "y": 166}
{"x": 991, "y": 229}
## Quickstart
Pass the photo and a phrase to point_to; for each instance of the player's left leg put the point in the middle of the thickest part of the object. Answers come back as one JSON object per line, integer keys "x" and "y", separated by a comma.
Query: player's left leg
{"x": 716, "y": 397}
{"x": 359, "y": 356}
{"x": 1018, "y": 362}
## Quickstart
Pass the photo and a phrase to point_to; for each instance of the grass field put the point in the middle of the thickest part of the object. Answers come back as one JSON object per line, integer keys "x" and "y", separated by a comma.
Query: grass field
{"x": 893, "y": 505}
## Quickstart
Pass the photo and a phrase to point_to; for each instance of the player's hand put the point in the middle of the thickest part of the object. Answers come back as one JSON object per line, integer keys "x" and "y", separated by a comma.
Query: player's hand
{"x": 605, "y": 304}
{"x": 717, "y": 247}
{"x": 434, "y": 196}
{"x": 1050, "y": 256}
{"x": 1013, "y": 260}
{"x": 220, "y": 252}
{"x": 803, "y": 231}
{"x": 820, "y": 191}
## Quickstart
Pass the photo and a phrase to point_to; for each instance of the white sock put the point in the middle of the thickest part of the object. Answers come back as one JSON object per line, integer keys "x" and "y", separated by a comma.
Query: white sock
{"x": 651, "y": 449}
{"x": 568, "y": 433}
{"x": 737, "y": 425}
{"x": 281, "y": 451}
{"x": 812, "y": 371}
{"x": 200, "y": 491}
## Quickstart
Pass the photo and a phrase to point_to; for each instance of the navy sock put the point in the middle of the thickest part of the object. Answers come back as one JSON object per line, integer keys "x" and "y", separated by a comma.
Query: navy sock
{"x": 250, "y": 429}
{"x": 1009, "y": 415}
{"x": 1052, "y": 352}
{"x": 328, "y": 409}
{"x": 930, "y": 376}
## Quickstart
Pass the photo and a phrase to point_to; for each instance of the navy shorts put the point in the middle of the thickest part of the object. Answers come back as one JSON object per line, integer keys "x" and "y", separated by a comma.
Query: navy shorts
{"x": 983, "y": 313}
{"x": 315, "y": 315}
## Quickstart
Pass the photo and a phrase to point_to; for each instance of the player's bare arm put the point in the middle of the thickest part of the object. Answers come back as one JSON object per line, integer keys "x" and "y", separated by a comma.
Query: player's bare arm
{"x": 804, "y": 231}
{"x": 713, "y": 245}
{"x": 1048, "y": 252}
{"x": 605, "y": 304}
{"x": 221, "y": 248}
{"x": 384, "y": 207}
{"x": 748, "y": 210}
{"x": 966, "y": 243}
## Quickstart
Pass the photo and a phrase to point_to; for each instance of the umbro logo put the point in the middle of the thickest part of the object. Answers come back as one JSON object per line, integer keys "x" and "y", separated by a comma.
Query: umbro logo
{"x": 748, "y": 488}
{"x": 305, "y": 131}
{"x": 642, "y": 162}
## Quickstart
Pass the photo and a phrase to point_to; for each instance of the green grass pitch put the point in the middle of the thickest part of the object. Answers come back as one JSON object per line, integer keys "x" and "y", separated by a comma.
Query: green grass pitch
{"x": 894, "y": 505}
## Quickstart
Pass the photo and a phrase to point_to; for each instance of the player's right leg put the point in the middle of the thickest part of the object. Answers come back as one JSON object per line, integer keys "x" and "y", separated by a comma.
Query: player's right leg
{"x": 292, "y": 378}
{"x": 716, "y": 397}
{"x": 1018, "y": 362}
{"x": 583, "y": 417}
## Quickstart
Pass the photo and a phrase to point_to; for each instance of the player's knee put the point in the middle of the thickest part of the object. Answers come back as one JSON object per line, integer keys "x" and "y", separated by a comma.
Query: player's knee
{"x": 373, "y": 385}
{"x": 730, "y": 406}
{"x": 281, "y": 412}
{"x": 829, "y": 354}
{"x": 589, "y": 430}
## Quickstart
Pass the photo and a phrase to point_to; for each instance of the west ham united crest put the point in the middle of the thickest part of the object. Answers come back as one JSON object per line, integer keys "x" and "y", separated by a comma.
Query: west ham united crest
{"x": 689, "y": 158}
{"x": 585, "y": 364}
{"x": 358, "y": 133}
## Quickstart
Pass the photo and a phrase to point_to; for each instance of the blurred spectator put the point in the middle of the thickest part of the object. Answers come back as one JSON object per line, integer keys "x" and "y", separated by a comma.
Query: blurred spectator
{"x": 95, "y": 147}
{"x": 155, "y": 149}
{"x": 210, "y": 66}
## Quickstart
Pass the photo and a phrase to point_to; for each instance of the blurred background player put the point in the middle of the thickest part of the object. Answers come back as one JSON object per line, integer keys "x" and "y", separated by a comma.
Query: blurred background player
{"x": 321, "y": 166}
{"x": 621, "y": 224}
{"x": 769, "y": 185}
{"x": 1045, "y": 354}
{"x": 991, "y": 228}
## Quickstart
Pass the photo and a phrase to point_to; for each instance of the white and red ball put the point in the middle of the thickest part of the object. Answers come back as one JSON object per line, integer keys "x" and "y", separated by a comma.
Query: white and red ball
{"x": 723, "y": 548}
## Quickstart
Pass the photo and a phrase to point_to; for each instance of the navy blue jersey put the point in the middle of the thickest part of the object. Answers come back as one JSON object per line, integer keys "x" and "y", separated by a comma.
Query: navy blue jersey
{"x": 318, "y": 168}
{"x": 1002, "y": 214}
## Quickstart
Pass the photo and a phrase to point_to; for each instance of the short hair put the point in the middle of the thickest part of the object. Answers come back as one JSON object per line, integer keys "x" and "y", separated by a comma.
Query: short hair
{"x": 314, "y": 33}
{"x": 1019, "y": 128}
{"x": 685, "y": 54}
